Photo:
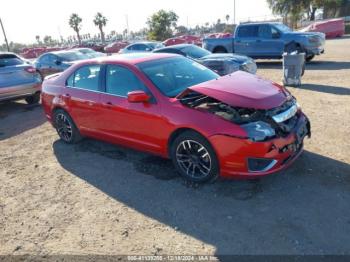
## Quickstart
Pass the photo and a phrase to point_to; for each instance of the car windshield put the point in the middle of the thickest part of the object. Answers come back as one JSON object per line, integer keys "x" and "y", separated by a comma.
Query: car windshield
{"x": 72, "y": 56}
{"x": 155, "y": 45}
{"x": 10, "y": 60}
{"x": 173, "y": 75}
{"x": 283, "y": 28}
{"x": 195, "y": 51}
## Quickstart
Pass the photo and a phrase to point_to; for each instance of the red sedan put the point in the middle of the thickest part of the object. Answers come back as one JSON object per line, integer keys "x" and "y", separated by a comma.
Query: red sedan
{"x": 236, "y": 125}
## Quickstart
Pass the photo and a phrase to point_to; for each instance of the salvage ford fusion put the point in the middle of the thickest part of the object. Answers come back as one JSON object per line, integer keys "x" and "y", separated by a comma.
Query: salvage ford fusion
{"x": 236, "y": 125}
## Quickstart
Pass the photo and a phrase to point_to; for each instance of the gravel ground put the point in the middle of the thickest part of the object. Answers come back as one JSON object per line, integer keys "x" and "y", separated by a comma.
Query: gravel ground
{"x": 95, "y": 198}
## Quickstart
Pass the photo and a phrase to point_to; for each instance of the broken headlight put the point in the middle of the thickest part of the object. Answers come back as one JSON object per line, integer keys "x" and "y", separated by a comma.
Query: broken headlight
{"x": 249, "y": 66}
{"x": 258, "y": 131}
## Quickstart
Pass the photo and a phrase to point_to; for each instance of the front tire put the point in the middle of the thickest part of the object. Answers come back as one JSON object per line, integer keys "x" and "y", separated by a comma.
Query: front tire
{"x": 33, "y": 99}
{"x": 194, "y": 157}
{"x": 66, "y": 128}
{"x": 309, "y": 58}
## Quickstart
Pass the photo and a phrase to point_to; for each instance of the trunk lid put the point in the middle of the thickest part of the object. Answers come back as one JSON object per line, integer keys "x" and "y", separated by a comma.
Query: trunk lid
{"x": 245, "y": 90}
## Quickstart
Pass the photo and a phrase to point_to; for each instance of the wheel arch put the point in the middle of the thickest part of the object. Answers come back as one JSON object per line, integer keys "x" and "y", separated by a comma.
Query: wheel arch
{"x": 55, "y": 109}
{"x": 219, "y": 48}
{"x": 179, "y": 131}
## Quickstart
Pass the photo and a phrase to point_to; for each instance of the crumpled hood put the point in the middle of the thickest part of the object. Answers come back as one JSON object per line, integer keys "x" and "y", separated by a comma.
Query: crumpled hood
{"x": 226, "y": 57}
{"x": 242, "y": 89}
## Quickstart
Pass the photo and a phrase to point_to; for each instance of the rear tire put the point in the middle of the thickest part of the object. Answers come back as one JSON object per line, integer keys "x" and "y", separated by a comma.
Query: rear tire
{"x": 34, "y": 99}
{"x": 194, "y": 158}
{"x": 66, "y": 128}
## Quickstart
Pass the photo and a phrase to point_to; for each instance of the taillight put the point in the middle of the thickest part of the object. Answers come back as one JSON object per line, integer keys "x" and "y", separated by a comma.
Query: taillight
{"x": 31, "y": 70}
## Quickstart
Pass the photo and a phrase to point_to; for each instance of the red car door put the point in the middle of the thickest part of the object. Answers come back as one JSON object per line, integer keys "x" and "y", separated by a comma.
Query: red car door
{"x": 82, "y": 97}
{"x": 136, "y": 124}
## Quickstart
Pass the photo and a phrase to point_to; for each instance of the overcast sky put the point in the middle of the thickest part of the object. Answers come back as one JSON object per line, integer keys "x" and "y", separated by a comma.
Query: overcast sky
{"x": 23, "y": 20}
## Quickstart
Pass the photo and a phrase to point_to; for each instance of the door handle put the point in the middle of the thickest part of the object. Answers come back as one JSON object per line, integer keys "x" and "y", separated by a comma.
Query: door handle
{"x": 107, "y": 104}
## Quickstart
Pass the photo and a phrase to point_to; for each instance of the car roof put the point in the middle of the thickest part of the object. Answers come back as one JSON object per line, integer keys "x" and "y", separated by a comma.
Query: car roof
{"x": 61, "y": 52}
{"x": 9, "y": 53}
{"x": 260, "y": 23}
{"x": 145, "y": 42}
{"x": 132, "y": 58}
{"x": 179, "y": 46}
{"x": 79, "y": 48}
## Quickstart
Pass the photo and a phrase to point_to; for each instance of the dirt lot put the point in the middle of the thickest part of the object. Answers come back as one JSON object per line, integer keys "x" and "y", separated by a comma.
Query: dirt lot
{"x": 95, "y": 198}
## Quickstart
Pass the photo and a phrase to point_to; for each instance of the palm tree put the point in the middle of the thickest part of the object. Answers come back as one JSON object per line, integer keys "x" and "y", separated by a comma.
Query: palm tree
{"x": 75, "y": 23}
{"x": 100, "y": 21}
{"x": 37, "y": 37}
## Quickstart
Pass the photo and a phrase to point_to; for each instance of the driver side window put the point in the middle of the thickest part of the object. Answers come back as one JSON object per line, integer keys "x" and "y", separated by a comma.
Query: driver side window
{"x": 265, "y": 31}
{"x": 120, "y": 81}
{"x": 275, "y": 33}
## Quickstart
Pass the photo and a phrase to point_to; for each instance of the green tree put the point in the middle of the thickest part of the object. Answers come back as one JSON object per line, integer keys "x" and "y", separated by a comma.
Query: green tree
{"x": 294, "y": 10}
{"x": 100, "y": 21}
{"x": 160, "y": 25}
{"x": 291, "y": 9}
{"x": 48, "y": 40}
{"x": 181, "y": 29}
{"x": 75, "y": 23}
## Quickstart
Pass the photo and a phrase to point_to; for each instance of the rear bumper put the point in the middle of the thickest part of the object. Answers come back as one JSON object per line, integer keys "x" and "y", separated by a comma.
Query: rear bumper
{"x": 233, "y": 153}
{"x": 19, "y": 91}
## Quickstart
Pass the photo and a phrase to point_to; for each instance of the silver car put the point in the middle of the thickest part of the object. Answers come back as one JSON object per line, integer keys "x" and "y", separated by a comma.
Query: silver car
{"x": 18, "y": 79}
{"x": 141, "y": 47}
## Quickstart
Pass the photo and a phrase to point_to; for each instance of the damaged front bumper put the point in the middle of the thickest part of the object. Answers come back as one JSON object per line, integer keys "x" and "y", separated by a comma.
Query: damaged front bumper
{"x": 245, "y": 158}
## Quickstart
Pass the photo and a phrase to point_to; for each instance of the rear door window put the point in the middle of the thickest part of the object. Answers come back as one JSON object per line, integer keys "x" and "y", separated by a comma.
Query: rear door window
{"x": 86, "y": 77}
{"x": 248, "y": 31}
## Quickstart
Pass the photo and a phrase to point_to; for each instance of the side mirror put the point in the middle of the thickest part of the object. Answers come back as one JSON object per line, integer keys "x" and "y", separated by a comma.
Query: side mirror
{"x": 138, "y": 96}
{"x": 275, "y": 35}
{"x": 57, "y": 62}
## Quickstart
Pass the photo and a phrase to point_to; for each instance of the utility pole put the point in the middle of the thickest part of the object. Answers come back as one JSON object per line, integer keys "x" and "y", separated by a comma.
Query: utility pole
{"x": 127, "y": 26}
{"x": 234, "y": 12}
{"x": 3, "y": 30}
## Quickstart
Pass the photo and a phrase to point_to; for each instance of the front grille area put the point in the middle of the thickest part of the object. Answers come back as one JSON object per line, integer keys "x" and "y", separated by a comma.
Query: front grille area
{"x": 284, "y": 128}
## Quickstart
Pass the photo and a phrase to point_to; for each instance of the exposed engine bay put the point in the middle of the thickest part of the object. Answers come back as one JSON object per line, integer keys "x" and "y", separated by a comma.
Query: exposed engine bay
{"x": 242, "y": 116}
